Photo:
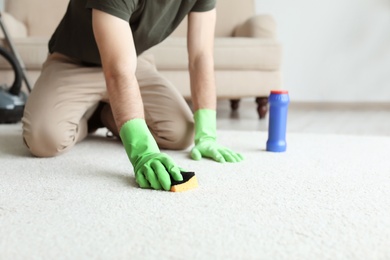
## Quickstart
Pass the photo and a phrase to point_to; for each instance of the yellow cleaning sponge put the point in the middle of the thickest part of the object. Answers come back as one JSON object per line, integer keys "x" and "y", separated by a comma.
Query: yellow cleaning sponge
{"x": 189, "y": 182}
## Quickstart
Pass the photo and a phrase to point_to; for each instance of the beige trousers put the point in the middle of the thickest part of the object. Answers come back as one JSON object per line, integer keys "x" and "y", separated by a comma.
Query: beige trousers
{"x": 67, "y": 93}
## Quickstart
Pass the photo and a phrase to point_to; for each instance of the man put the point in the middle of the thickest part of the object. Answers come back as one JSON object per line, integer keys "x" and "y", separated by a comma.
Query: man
{"x": 93, "y": 72}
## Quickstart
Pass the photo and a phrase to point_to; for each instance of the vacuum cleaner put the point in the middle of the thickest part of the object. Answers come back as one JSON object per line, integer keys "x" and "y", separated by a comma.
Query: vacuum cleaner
{"x": 12, "y": 99}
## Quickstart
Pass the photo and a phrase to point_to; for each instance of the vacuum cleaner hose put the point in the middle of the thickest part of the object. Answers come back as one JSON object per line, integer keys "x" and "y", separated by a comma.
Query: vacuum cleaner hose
{"x": 17, "y": 84}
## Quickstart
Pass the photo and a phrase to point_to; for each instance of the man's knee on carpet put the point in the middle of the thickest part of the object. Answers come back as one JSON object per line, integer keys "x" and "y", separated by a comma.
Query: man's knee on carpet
{"x": 173, "y": 135}
{"x": 50, "y": 139}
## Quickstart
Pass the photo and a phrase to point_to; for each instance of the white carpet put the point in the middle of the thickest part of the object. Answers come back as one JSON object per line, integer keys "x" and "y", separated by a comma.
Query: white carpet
{"x": 327, "y": 197}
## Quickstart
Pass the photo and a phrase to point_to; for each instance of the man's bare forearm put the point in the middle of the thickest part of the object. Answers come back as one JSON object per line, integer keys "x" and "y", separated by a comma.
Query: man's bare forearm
{"x": 203, "y": 89}
{"x": 200, "y": 41}
{"x": 119, "y": 60}
{"x": 125, "y": 98}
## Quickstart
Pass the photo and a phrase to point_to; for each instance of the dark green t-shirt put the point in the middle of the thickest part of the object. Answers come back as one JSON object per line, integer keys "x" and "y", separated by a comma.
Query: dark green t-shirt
{"x": 151, "y": 21}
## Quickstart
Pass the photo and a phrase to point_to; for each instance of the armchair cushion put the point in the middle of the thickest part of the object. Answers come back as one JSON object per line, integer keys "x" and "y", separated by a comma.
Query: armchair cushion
{"x": 259, "y": 26}
{"x": 40, "y": 17}
{"x": 15, "y": 28}
{"x": 231, "y": 53}
{"x": 33, "y": 51}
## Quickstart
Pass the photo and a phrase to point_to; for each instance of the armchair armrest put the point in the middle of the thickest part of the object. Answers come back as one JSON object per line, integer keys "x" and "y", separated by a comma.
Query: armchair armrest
{"x": 15, "y": 28}
{"x": 258, "y": 26}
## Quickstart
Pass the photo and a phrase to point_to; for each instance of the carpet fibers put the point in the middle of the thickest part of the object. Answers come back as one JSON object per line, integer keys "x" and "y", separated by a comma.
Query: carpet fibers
{"x": 327, "y": 197}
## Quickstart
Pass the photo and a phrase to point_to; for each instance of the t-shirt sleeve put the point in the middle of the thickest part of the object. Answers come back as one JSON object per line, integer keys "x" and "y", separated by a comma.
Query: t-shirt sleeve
{"x": 204, "y": 5}
{"x": 119, "y": 8}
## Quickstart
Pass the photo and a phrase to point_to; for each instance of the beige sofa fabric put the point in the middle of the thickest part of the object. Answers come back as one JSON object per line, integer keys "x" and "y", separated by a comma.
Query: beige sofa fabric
{"x": 39, "y": 16}
{"x": 15, "y": 28}
{"x": 231, "y": 13}
{"x": 247, "y": 53}
{"x": 230, "y": 54}
{"x": 258, "y": 26}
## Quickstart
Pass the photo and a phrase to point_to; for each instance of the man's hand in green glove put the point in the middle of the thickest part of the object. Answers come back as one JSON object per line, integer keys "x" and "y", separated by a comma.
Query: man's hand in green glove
{"x": 205, "y": 139}
{"x": 151, "y": 167}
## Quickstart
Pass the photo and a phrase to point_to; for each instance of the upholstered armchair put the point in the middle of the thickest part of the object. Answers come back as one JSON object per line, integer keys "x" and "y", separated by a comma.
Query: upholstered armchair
{"x": 247, "y": 53}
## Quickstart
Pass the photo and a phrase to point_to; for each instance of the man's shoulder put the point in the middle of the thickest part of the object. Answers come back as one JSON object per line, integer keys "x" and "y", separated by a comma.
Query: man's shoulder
{"x": 120, "y": 8}
{"x": 203, "y": 5}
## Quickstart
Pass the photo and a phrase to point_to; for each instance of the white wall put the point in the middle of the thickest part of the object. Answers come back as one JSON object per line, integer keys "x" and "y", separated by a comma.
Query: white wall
{"x": 334, "y": 50}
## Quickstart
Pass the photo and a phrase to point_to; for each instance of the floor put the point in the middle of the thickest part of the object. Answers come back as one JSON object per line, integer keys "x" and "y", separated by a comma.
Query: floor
{"x": 356, "y": 119}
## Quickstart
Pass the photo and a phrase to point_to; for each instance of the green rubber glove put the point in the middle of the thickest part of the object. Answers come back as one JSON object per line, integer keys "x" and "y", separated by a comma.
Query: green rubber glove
{"x": 205, "y": 139}
{"x": 151, "y": 167}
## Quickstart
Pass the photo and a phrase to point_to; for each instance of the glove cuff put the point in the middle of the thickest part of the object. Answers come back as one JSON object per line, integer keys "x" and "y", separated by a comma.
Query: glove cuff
{"x": 205, "y": 125}
{"x": 137, "y": 139}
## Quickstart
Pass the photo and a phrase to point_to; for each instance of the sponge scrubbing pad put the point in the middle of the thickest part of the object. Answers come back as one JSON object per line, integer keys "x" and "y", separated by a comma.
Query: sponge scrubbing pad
{"x": 189, "y": 182}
